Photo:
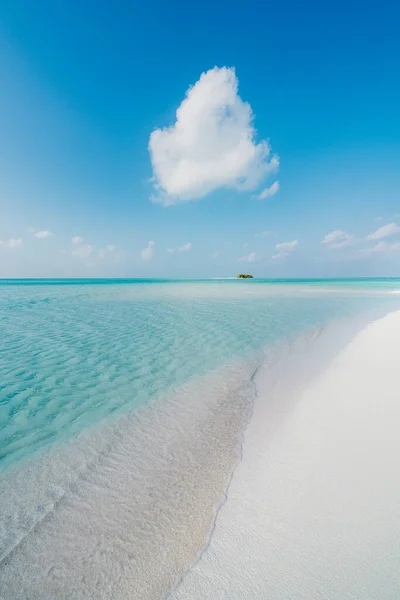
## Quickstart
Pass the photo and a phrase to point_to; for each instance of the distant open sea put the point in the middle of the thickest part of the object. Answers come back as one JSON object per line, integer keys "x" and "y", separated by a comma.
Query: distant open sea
{"x": 119, "y": 395}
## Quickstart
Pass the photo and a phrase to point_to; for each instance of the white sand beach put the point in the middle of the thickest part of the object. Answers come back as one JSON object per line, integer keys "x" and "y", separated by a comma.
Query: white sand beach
{"x": 313, "y": 509}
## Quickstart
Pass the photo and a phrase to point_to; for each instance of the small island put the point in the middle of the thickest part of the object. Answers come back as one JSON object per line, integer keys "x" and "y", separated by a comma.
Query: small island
{"x": 244, "y": 276}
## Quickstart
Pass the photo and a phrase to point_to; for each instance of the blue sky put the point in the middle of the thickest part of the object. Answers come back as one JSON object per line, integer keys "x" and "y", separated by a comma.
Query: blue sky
{"x": 281, "y": 161}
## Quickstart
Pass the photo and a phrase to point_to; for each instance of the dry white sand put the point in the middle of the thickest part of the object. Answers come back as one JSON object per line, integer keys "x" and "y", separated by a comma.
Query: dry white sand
{"x": 313, "y": 510}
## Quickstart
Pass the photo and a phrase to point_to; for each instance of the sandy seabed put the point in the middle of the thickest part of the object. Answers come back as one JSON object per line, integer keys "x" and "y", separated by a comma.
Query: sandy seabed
{"x": 313, "y": 509}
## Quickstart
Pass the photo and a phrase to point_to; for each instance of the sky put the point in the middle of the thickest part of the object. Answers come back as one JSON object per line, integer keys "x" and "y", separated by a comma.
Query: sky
{"x": 177, "y": 140}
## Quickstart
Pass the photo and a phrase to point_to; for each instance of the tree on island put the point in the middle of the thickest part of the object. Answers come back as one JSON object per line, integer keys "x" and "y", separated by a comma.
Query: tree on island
{"x": 244, "y": 276}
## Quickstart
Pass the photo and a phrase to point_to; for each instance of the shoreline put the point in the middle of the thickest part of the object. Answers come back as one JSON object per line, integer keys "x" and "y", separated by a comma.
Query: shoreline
{"x": 152, "y": 480}
{"x": 178, "y": 502}
{"x": 278, "y": 550}
{"x": 303, "y": 358}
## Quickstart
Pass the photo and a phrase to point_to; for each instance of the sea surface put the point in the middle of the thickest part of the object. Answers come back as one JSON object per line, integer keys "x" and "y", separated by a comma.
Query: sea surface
{"x": 122, "y": 406}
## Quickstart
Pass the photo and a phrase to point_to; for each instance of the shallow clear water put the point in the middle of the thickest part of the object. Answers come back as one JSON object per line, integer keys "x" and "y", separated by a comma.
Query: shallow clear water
{"x": 122, "y": 404}
{"x": 74, "y": 352}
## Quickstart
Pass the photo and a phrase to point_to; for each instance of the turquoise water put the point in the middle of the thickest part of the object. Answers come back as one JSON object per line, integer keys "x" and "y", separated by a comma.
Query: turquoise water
{"x": 122, "y": 404}
{"x": 74, "y": 352}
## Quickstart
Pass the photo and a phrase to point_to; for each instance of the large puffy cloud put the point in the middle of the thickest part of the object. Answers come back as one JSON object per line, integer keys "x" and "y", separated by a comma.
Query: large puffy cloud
{"x": 211, "y": 145}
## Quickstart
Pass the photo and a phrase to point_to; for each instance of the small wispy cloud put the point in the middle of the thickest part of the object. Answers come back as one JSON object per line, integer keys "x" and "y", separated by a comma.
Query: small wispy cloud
{"x": 42, "y": 235}
{"x": 215, "y": 255}
{"x": 265, "y": 233}
{"x": 268, "y": 191}
{"x": 249, "y": 258}
{"x": 12, "y": 243}
{"x": 285, "y": 248}
{"x": 109, "y": 249}
{"x": 338, "y": 239}
{"x": 184, "y": 248}
{"x": 385, "y": 247}
{"x": 82, "y": 250}
{"x": 148, "y": 252}
{"x": 385, "y": 231}
{"x": 380, "y": 247}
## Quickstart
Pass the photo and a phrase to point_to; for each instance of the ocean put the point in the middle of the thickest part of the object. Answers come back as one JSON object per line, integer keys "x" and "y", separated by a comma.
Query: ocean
{"x": 123, "y": 404}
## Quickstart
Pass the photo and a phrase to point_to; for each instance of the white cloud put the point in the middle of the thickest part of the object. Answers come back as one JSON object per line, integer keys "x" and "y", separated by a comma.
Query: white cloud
{"x": 384, "y": 231}
{"x": 215, "y": 255}
{"x": 252, "y": 257}
{"x": 385, "y": 247}
{"x": 338, "y": 239}
{"x": 285, "y": 248}
{"x": 82, "y": 250}
{"x": 211, "y": 145}
{"x": 380, "y": 247}
{"x": 263, "y": 233}
{"x": 12, "y": 243}
{"x": 268, "y": 191}
{"x": 185, "y": 248}
{"x": 110, "y": 249}
{"x": 148, "y": 252}
{"x": 42, "y": 235}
